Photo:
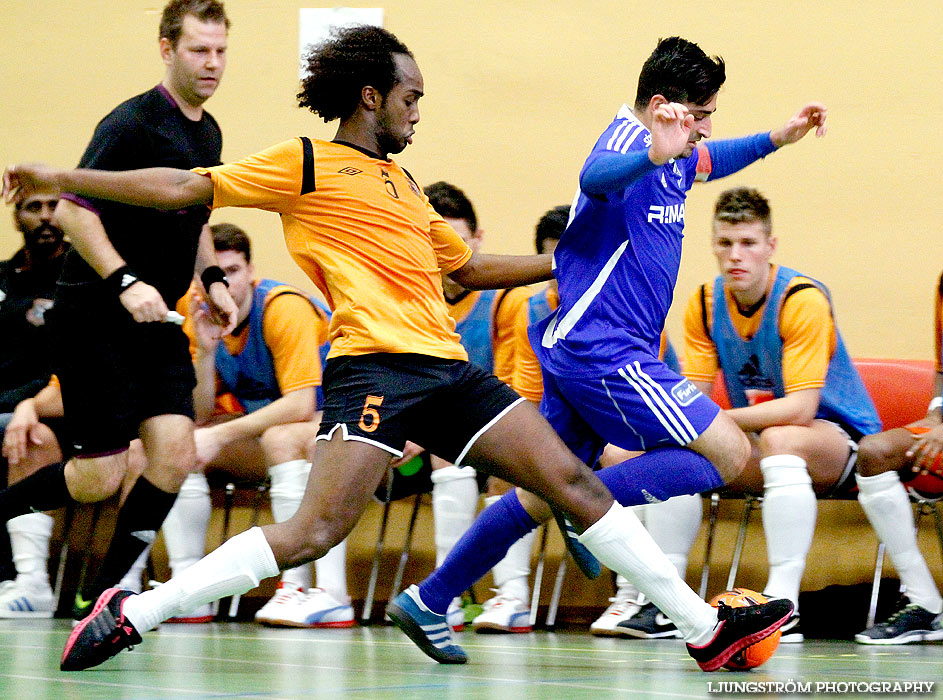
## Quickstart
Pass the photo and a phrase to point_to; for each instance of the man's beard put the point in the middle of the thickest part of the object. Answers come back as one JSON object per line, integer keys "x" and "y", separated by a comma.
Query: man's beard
{"x": 44, "y": 245}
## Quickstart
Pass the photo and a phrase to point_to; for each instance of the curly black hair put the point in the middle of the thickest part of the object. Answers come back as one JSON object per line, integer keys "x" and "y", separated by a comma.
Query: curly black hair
{"x": 680, "y": 71}
{"x": 340, "y": 67}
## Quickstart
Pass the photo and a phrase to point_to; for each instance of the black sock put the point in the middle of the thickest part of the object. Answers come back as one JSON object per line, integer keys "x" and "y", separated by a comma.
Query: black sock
{"x": 7, "y": 570}
{"x": 41, "y": 491}
{"x": 139, "y": 519}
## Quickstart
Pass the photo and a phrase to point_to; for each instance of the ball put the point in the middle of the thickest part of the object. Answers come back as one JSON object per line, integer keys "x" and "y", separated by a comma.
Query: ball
{"x": 755, "y": 654}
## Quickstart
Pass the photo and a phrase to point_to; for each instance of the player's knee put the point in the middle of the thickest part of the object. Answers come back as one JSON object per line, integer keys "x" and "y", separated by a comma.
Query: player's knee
{"x": 91, "y": 483}
{"x": 316, "y": 541}
{"x": 876, "y": 454}
{"x": 281, "y": 443}
{"x": 780, "y": 439}
{"x": 733, "y": 459}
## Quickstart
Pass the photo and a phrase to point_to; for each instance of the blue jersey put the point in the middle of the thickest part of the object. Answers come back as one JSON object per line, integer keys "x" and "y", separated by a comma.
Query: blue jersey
{"x": 476, "y": 331}
{"x": 617, "y": 264}
{"x": 757, "y": 363}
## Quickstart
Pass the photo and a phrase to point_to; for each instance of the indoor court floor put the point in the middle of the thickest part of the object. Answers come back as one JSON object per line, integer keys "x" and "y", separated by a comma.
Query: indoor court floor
{"x": 244, "y": 660}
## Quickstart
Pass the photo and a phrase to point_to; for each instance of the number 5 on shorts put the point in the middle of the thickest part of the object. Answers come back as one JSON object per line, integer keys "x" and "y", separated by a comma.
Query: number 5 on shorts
{"x": 369, "y": 412}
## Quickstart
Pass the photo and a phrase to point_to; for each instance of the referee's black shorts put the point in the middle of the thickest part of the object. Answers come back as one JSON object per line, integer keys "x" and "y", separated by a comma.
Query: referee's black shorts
{"x": 385, "y": 399}
{"x": 116, "y": 373}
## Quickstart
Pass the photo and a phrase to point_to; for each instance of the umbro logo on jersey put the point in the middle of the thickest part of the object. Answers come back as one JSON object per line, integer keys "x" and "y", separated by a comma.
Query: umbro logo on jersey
{"x": 349, "y": 171}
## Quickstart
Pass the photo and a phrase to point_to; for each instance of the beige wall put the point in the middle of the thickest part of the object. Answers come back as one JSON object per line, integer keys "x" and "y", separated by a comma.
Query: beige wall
{"x": 518, "y": 92}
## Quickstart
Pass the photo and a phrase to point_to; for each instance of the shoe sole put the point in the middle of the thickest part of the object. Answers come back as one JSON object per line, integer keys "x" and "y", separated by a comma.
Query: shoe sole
{"x": 200, "y": 620}
{"x": 716, "y": 663}
{"x": 908, "y": 638}
{"x": 642, "y": 634}
{"x": 20, "y": 614}
{"x": 494, "y": 628}
{"x": 607, "y": 632}
{"x": 77, "y": 630}
{"x": 342, "y": 624}
{"x": 412, "y": 630}
{"x": 792, "y": 638}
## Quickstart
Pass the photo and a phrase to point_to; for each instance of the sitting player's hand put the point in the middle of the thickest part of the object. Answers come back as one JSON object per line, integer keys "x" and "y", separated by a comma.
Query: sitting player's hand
{"x": 19, "y": 434}
{"x": 222, "y": 309}
{"x": 144, "y": 303}
{"x": 926, "y": 451}
{"x": 208, "y": 445}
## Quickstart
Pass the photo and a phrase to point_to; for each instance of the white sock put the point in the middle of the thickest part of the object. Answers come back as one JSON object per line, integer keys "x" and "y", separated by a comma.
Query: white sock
{"x": 789, "y": 511}
{"x": 621, "y": 542}
{"x": 235, "y": 567}
{"x": 511, "y": 574}
{"x": 29, "y": 540}
{"x": 454, "y": 504}
{"x": 887, "y": 505}
{"x": 331, "y": 572}
{"x": 185, "y": 526}
{"x": 132, "y": 581}
{"x": 674, "y": 525}
{"x": 289, "y": 480}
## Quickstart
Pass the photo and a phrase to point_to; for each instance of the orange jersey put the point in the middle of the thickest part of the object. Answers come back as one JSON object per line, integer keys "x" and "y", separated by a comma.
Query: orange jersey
{"x": 365, "y": 234}
{"x": 527, "y": 379}
{"x": 508, "y": 304}
{"x": 805, "y": 323}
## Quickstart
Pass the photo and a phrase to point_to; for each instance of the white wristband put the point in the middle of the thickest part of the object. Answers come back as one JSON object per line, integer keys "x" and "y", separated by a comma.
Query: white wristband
{"x": 935, "y": 404}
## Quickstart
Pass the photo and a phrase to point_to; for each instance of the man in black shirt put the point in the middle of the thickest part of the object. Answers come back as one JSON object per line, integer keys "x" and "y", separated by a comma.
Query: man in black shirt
{"x": 124, "y": 372}
{"x": 27, "y": 287}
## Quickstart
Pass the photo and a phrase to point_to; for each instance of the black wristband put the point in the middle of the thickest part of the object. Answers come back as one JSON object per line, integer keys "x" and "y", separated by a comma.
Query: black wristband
{"x": 121, "y": 279}
{"x": 212, "y": 274}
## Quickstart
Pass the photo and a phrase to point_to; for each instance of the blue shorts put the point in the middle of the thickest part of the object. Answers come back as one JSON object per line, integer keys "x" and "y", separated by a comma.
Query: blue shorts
{"x": 641, "y": 406}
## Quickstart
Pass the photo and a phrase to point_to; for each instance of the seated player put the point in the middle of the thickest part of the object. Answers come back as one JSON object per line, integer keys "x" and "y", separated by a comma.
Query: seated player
{"x": 884, "y": 461}
{"x": 29, "y": 443}
{"x": 270, "y": 367}
{"x": 27, "y": 287}
{"x": 35, "y": 436}
{"x": 793, "y": 388}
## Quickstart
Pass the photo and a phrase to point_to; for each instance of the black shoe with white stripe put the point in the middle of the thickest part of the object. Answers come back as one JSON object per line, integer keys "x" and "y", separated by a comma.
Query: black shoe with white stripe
{"x": 649, "y": 623}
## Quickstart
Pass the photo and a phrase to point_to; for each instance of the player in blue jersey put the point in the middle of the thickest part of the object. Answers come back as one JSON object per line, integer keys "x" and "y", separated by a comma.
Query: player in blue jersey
{"x": 616, "y": 267}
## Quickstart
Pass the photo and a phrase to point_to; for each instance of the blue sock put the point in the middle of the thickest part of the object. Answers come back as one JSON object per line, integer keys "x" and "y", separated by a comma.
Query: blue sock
{"x": 659, "y": 475}
{"x": 485, "y": 543}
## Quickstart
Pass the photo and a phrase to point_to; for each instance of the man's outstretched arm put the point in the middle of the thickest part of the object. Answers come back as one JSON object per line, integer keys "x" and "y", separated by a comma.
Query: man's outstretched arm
{"x": 161, "y": 188}
{"x": 500, "y": 271}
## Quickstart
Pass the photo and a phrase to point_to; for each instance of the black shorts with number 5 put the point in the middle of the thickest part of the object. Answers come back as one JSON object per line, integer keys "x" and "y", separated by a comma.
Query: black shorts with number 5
{"x": 385, "y": 399}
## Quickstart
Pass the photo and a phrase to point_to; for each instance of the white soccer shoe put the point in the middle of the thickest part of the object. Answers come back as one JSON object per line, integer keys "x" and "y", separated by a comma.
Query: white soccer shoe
{"x": 503, "y": 613}
{"x": 316, "y": 608}
{"x": 19, "y": 600}
{"x": 621, "y": 607}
